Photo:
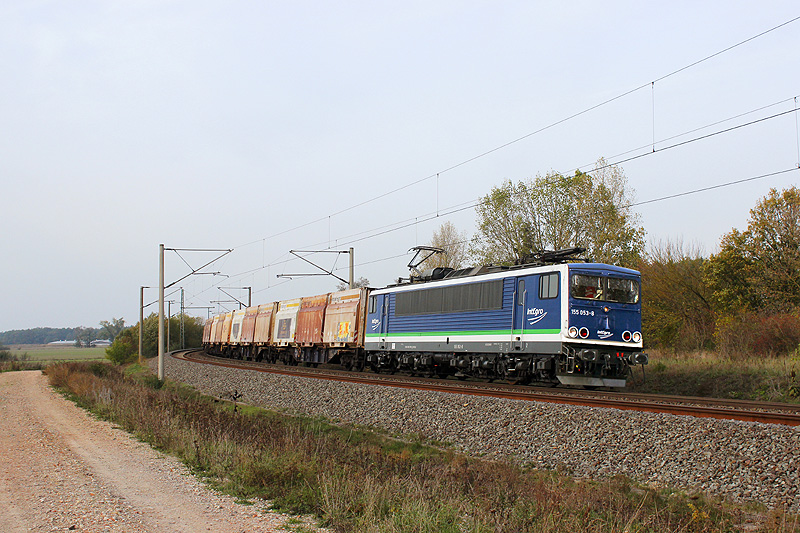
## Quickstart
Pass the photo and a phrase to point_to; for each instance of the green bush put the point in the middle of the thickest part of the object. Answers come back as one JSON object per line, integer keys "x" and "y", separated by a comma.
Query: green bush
{"x": 124, "y": 349}
{"x": 5, "y": 354}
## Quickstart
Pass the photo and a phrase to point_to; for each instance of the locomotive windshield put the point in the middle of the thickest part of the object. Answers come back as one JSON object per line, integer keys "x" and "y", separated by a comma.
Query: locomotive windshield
{"x": 605, "y": 289}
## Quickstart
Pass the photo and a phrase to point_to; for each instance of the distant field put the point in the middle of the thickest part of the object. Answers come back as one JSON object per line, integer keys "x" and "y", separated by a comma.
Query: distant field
{"x": 44, "y": 352}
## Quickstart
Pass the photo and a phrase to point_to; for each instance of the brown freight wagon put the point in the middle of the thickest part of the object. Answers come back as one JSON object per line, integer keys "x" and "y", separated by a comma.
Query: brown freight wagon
{"x": 344, "y": 321}
{"x": 308, "y": 336}
{"x": 262, "y": 332}
{"x": 343, "y": 332}
{"x": 248, "y": 332}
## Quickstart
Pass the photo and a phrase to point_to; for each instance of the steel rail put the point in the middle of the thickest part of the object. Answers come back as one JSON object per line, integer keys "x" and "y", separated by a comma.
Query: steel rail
{"x": 789, "y": 416}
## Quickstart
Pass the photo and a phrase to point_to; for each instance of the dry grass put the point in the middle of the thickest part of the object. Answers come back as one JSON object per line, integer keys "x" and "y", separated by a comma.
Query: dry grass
{"x": 775, "y": 379}
{"x": 356, "y": 480}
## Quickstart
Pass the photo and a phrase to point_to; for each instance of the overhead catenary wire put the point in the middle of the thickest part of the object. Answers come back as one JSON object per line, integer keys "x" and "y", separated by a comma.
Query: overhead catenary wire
{"x": 526, "y": 136}
{"x": 349, "y": 239}
{"x": 376, "y": 232}
{"x": 469, "y": 205}
{"x": 387, "y": 229}
{"x": 644, "y": 202}
{"x": 695, "y": 130}
{"x": 591, "y": 213}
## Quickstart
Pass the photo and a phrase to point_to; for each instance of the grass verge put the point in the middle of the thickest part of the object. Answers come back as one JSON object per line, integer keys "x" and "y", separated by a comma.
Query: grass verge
{"x": 772, "y": 379}
{"x": 357, "y": 480}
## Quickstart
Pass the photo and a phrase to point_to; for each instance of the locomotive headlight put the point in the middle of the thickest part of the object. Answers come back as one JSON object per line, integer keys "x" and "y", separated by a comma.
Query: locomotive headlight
{"x": 626, "y": 336}
{"x": 637, "y": 337}
{"x": 573, "y": 332}
{"x": 583, "y": 332}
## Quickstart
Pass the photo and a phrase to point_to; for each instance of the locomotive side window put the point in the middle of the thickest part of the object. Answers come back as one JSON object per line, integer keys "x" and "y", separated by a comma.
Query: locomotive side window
{"x": 607, "y": 289}
{"x": 453, "y": 299}
{"x": 372, "y": 300}
{"x": 548, "y": 286}
{"x": 521, "y": 292}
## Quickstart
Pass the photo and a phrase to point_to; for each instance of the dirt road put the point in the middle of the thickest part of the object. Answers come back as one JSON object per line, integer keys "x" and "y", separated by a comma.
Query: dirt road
{"x": 62, "y": 470}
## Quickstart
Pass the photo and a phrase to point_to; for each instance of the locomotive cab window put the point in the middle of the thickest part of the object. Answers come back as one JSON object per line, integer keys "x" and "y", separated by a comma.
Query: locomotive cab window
{"x": 586, "y": 287}
{"x": 606, "y": 289}
{"x": 372, "y": 300}
{"x": 548, "y": 286}
{"x": 622, "y": 290}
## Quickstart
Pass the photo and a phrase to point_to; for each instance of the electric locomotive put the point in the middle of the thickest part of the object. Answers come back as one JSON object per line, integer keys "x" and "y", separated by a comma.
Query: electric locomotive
{"x": 574, "y": 324}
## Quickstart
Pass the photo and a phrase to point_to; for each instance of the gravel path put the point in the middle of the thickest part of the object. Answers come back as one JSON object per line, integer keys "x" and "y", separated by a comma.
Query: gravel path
{"x": 739, "y": 460}
{"x": 61, "y": 470}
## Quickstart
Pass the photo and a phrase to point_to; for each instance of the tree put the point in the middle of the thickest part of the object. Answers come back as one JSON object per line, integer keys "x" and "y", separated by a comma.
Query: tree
{"x": 84, "y": 336}
{"x": 677, "y": 311}
{"x": 453, "y": 242}
{"x": 360, "y": 282}
{"x": 125, "y": 347}
{"x": 110, "y": 330}
{"x": 555, "y": 212}
{"x": 759, "y": 268}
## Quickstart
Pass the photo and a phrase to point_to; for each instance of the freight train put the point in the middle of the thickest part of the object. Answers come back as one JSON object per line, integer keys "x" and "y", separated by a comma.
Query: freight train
{"x": 569, "y": 323}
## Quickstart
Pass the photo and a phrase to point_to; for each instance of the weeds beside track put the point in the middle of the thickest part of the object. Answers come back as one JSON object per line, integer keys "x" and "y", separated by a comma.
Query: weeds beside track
{"x": 358, "y": 480}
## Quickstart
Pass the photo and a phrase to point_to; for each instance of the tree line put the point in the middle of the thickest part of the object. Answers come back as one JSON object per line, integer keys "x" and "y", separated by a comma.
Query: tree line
{"x": 743, "y": 299}
{"x": 81, "y": 336}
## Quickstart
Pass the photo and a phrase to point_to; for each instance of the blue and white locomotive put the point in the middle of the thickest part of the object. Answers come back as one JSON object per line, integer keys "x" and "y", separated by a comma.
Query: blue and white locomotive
{"x": 572, "y": 323}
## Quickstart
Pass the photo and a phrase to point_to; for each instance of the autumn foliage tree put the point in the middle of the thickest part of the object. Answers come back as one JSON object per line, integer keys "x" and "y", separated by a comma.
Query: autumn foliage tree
{"x": 759, "y": 268}
{"x": 755, "y": 278}
{"x": 552, "y": 212}
{"x": 677, "y": 312}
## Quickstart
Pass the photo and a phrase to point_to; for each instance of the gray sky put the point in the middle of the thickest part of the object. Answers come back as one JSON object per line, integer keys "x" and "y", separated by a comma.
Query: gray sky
{"x": 224, "y": 124}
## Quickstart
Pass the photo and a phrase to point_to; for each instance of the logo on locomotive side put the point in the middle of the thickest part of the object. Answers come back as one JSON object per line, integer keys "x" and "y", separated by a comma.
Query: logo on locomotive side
{"x": 375, "y": 323}
{"x": 535, "y": 315}
{"x": 603, "y": 334}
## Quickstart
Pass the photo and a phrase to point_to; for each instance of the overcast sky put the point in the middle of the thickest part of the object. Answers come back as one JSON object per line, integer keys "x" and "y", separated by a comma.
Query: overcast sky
{"x": 202, "y": 124}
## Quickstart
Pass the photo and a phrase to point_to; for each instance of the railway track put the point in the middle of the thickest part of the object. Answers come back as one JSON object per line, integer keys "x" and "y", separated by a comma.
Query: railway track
{"x": 764, "y": 412}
